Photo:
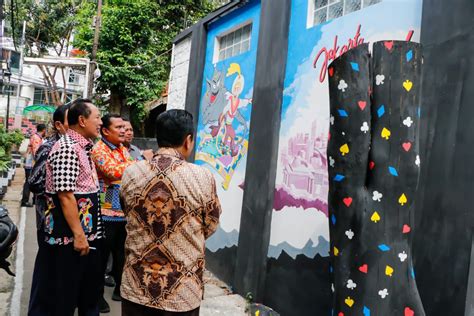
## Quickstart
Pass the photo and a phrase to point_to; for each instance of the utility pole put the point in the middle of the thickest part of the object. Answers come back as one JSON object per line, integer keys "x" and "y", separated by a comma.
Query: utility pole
{"x": 98, "y": 21}
{"x": 18, "y": 113}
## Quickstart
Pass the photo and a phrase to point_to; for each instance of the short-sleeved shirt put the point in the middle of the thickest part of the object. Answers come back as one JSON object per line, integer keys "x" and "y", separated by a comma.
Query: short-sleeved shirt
{"x": 69, "y": 168}
{"x": 110, "y": 162}
{"x": 171, "y": 208}
{"x": 135, "y": 152}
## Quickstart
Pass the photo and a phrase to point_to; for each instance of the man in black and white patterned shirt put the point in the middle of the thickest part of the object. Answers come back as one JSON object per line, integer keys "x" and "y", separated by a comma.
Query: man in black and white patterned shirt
{"x": 70, "y": 269}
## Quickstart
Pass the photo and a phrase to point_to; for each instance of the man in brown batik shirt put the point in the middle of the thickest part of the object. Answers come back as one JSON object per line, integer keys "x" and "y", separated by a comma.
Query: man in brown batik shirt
{"x": 171, "y": 208}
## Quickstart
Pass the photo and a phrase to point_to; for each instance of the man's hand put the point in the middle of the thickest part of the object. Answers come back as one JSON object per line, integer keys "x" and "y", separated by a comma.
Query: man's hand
{"x": 148, "y": 154}
{"x": 69, "y": 208}
{"x": 81, "y": 244}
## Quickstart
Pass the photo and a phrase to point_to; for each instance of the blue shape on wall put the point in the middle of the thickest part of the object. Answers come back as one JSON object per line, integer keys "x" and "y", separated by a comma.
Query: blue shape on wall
{"x": 393, "y": 171}
{"x": 342, "y": 113}
{"x": 366, "y": 311}
{"x": 384, "y": 247}
{"x": 381, "y": 111}
{"x": 355, "y": 66}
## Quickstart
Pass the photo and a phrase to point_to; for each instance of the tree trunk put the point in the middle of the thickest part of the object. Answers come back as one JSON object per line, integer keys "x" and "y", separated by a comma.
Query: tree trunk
{"x": 116, "y": 101}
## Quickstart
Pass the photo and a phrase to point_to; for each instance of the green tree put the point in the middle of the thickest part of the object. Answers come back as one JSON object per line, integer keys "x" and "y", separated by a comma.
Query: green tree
{"x": 135, "y": 45}
{"x": 49, "y": 27}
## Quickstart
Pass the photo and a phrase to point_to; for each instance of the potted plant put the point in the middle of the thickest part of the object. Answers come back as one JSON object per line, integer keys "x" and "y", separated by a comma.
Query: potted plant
{"x": 7, "y": 166}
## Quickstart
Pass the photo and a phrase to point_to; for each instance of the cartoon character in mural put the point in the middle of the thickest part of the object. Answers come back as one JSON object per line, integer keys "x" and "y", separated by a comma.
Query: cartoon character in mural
{"x": 48, "y": 216}
{"x": 84, "y": 215}
{"x": 225, "y": 144}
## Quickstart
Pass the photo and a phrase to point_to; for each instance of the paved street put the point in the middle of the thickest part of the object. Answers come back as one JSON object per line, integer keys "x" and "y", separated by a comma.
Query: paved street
{"x": 14, "y": 292}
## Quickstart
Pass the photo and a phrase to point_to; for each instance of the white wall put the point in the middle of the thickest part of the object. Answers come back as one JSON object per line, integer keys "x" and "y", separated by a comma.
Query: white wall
{"x": 179, "y": 74}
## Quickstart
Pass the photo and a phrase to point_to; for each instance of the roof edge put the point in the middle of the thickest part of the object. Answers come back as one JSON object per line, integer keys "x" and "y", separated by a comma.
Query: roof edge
{"x": 209, "y": 18}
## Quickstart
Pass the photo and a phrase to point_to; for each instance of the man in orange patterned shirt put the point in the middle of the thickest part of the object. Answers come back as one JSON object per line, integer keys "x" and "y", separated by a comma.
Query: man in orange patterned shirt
{"x": 171, "y": 208}
{"x": 111, "y": 158}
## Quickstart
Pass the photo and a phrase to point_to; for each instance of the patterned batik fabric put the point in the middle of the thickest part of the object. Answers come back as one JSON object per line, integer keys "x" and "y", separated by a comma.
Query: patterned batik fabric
{"x": 70, "y": 168}
{"x": 171, "y": 208}
{"x": 111, "y": 161}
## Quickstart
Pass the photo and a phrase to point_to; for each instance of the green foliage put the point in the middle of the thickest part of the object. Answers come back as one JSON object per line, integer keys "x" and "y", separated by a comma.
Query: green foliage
{"x": 49, "y": 24}
{"x": 7, "y": 140}
{"x": 135, "y": 44}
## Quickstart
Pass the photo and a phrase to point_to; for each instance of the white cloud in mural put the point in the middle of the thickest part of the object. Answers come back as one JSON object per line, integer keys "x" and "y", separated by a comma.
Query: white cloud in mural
{"x": 300, "y": 225}
{"x": 231, "y": 199}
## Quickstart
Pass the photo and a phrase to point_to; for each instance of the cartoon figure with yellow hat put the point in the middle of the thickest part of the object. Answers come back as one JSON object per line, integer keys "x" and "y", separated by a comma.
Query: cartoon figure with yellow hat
{"x": 231, "y": 111}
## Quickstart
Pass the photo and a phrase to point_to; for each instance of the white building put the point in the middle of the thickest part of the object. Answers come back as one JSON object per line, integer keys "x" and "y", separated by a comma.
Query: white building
{"x": 32, "y": 86}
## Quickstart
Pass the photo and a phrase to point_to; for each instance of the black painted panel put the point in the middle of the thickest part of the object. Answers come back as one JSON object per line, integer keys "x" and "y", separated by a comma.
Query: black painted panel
{"x": 195, "y": 72}
{"x": 299, "y": 286}
{"x": 442, "y": 244}
{"x": 263, "y": 148}
{"x": 222, "y": 263}
{"x": 470, "y": 286}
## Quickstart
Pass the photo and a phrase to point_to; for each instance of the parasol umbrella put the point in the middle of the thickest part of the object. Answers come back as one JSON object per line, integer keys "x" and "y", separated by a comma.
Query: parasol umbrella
{"x": 39, "y": 108}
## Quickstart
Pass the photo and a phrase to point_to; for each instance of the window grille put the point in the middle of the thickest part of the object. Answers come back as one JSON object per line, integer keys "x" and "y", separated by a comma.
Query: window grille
{"x": 326, "y": 10}
{"x": 235, "y": 43}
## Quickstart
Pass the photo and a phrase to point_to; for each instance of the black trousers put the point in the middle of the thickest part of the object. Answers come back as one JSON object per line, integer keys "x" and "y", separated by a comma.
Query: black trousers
{"x": 26, "y": 187}
{"x": 114, "y": 244}
{"x": 64, "y": 281}
{"x": 133, "y": 309}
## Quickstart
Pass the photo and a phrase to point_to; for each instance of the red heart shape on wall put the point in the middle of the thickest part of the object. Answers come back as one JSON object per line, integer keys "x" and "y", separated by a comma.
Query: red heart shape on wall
{"x": 347, "y": 201}
{"x": 406, "y": 146}
{"x": 389, "y": 45}
{"x": 364, "y": 268}
{"x": 340, "y": 314}
{"x": 406, "y": 229}
{"x": 362, "y": 105}
{"x": 409, "y": 312}
{"x": 371, "y": 165}
{"x": 331, "y": 71}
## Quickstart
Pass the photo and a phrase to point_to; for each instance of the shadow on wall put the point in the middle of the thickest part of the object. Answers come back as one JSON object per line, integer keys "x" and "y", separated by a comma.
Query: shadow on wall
{"x": 222, "y": 263}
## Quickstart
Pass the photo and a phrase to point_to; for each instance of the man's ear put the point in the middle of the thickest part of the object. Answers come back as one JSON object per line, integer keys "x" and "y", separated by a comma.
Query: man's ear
{"x": 82, "y": 122}
{"x": 104, "y": 131}
{"x": 189, "y": 143}
{"x": 57, "y": 125}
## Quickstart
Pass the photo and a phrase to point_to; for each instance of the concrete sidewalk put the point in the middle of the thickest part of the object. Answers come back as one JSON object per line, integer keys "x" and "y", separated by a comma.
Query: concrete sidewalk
{"x": 14, "y": 292}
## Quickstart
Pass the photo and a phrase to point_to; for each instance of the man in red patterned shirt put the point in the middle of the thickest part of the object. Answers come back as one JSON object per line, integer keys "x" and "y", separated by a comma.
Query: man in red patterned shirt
{"x": 70, "y": 276}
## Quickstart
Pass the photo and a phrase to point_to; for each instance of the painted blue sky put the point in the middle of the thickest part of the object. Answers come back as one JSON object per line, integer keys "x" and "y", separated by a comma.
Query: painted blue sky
{"x": 381, "y": 21}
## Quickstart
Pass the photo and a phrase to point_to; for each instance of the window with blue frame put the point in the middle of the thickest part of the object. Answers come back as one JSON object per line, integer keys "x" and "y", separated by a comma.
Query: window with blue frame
{"x": 325, "y": 10}
{"x": 234, "y": 43}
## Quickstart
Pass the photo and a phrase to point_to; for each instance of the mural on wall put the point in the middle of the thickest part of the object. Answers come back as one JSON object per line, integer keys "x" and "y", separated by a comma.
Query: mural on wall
{"x": 224, "y": 142}
{"x": 224, "y": 116}
{"x": 302, "y": 180}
